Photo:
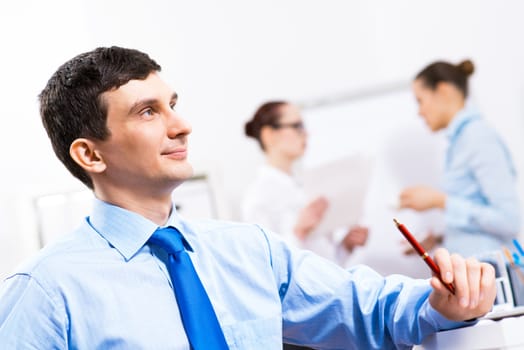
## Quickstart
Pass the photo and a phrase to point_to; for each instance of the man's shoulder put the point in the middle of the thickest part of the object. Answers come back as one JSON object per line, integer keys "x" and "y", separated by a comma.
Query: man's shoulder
{"x": 233, "y": 235}
{"x": 230, "y": 233}
{"x": 203, "y": 227}
{"x": 59, "y": 254}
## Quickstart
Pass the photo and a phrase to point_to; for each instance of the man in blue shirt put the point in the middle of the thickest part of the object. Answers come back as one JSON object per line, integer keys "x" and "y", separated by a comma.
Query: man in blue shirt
{"x": 112, "y": 121}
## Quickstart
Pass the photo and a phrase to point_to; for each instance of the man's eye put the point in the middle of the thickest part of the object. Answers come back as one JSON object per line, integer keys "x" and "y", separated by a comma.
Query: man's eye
{"x": 173, "y": 106}
{"x": 147, "y": 112}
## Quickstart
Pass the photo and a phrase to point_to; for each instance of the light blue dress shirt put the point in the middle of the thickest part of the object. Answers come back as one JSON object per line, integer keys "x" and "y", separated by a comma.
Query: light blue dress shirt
{"x": 102, "y": 287}
{"x": 482, "y": 207}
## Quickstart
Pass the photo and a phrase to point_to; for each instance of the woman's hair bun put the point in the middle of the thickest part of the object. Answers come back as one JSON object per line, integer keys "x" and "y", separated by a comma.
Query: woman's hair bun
{"x": 467, "y": 67}
{"x": 249, "y": 129}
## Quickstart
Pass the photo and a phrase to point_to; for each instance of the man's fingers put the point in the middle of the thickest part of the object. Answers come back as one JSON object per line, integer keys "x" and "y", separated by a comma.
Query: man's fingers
{"x": 438, "y": 286}
{"x": 487, "y": 290}
{"x": 460, "y": 279}
{"x": 474, "y": 283}
{"x": 474, "y": 278}
{"x": 443, "y": 260}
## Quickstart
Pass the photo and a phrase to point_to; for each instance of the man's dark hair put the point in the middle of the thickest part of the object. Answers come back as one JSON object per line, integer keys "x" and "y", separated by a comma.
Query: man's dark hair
{"x": 71, "y": 105}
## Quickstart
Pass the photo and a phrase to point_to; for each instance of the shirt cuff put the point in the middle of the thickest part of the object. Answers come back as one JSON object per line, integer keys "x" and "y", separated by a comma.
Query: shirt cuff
{"x": 457, "y": 212}
{"x": 441, "y": 323}
{"x": 339, "y": 234}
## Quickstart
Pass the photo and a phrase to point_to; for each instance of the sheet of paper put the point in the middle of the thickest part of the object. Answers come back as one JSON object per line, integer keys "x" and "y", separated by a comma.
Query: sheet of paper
{"x": 344, "y": 183}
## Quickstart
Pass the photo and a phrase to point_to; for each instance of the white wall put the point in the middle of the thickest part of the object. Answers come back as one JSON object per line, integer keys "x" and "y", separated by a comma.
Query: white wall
{"x": 226, "y": 57}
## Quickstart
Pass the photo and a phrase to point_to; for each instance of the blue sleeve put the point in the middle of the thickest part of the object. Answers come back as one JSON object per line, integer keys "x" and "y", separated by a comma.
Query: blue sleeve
{"x": 29, "y": 318}
{"x": 491, "y": 167}
{"x": 327, "y": 307}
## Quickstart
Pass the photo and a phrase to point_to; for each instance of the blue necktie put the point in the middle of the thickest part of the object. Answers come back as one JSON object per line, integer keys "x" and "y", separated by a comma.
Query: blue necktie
{"x": 199, "y": 318}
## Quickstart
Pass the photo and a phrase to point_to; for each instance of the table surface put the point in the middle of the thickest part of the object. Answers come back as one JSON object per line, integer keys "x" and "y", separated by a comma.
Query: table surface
{"x": 487, "y": 334}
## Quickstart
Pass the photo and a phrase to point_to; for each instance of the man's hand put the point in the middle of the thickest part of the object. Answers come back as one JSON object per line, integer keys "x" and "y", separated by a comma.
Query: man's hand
{"x": 474, "y": 283}
{"x": 422, "y": 198}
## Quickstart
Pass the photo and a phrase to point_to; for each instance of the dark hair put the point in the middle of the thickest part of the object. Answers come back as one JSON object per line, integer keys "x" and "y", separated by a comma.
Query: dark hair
{"x": 267, "y": 114}
{"x": 447, "y": 72}
{"x": 71, "y": 105}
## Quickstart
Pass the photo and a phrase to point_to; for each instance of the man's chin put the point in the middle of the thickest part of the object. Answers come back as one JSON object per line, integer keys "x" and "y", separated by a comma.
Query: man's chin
{"x": 184, "y": 172}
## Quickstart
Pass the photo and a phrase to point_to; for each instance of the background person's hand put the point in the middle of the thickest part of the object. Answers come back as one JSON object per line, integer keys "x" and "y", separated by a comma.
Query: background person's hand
{"x": 421, "y": 198}
{"x": 310, "y": 216}
{"x": 430, "y": 242}
{"x": 474, "y": 282}
{"x": 356, "y": 236}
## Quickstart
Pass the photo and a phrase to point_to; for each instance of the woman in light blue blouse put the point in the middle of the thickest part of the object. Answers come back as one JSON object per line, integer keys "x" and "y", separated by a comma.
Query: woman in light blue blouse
{"x": 478, "y": 194}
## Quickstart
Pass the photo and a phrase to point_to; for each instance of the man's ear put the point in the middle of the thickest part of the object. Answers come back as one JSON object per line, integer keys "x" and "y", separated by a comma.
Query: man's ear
{"x": 85, "y": 154}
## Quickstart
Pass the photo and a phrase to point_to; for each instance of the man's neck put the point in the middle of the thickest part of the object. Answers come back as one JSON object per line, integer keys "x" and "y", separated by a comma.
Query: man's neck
{"x": 155, "y": 208}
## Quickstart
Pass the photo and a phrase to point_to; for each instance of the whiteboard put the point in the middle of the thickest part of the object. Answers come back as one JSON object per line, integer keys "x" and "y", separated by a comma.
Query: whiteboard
{"x": 355, "y": 125}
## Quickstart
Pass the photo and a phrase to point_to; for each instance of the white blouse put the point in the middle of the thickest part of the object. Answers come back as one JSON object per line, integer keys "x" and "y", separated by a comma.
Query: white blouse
{"x": 274, "y": 201}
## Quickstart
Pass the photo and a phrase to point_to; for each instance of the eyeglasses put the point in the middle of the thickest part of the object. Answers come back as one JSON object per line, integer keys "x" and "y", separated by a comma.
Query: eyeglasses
{"x": 299, "y": 126}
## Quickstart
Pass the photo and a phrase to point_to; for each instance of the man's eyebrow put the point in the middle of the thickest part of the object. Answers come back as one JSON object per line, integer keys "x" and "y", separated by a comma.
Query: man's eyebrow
{"x": 141, "y": 103}
{"x": 149, "y": 101}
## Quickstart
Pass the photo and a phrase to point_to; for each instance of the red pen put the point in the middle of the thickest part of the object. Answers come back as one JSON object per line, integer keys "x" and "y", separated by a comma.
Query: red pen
{"x": 425, "y": 256}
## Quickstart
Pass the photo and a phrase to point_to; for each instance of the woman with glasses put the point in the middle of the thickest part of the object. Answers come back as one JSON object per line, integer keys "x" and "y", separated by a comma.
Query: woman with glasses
{"x": 275, "y": 199}
{"x": 478, "y": 194}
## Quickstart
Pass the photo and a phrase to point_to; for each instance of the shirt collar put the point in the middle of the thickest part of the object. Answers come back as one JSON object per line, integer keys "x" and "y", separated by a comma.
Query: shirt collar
{"x": 274, "y": 172}
{"x": 463, "y": 117}
{"x": 128, "y": 231}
